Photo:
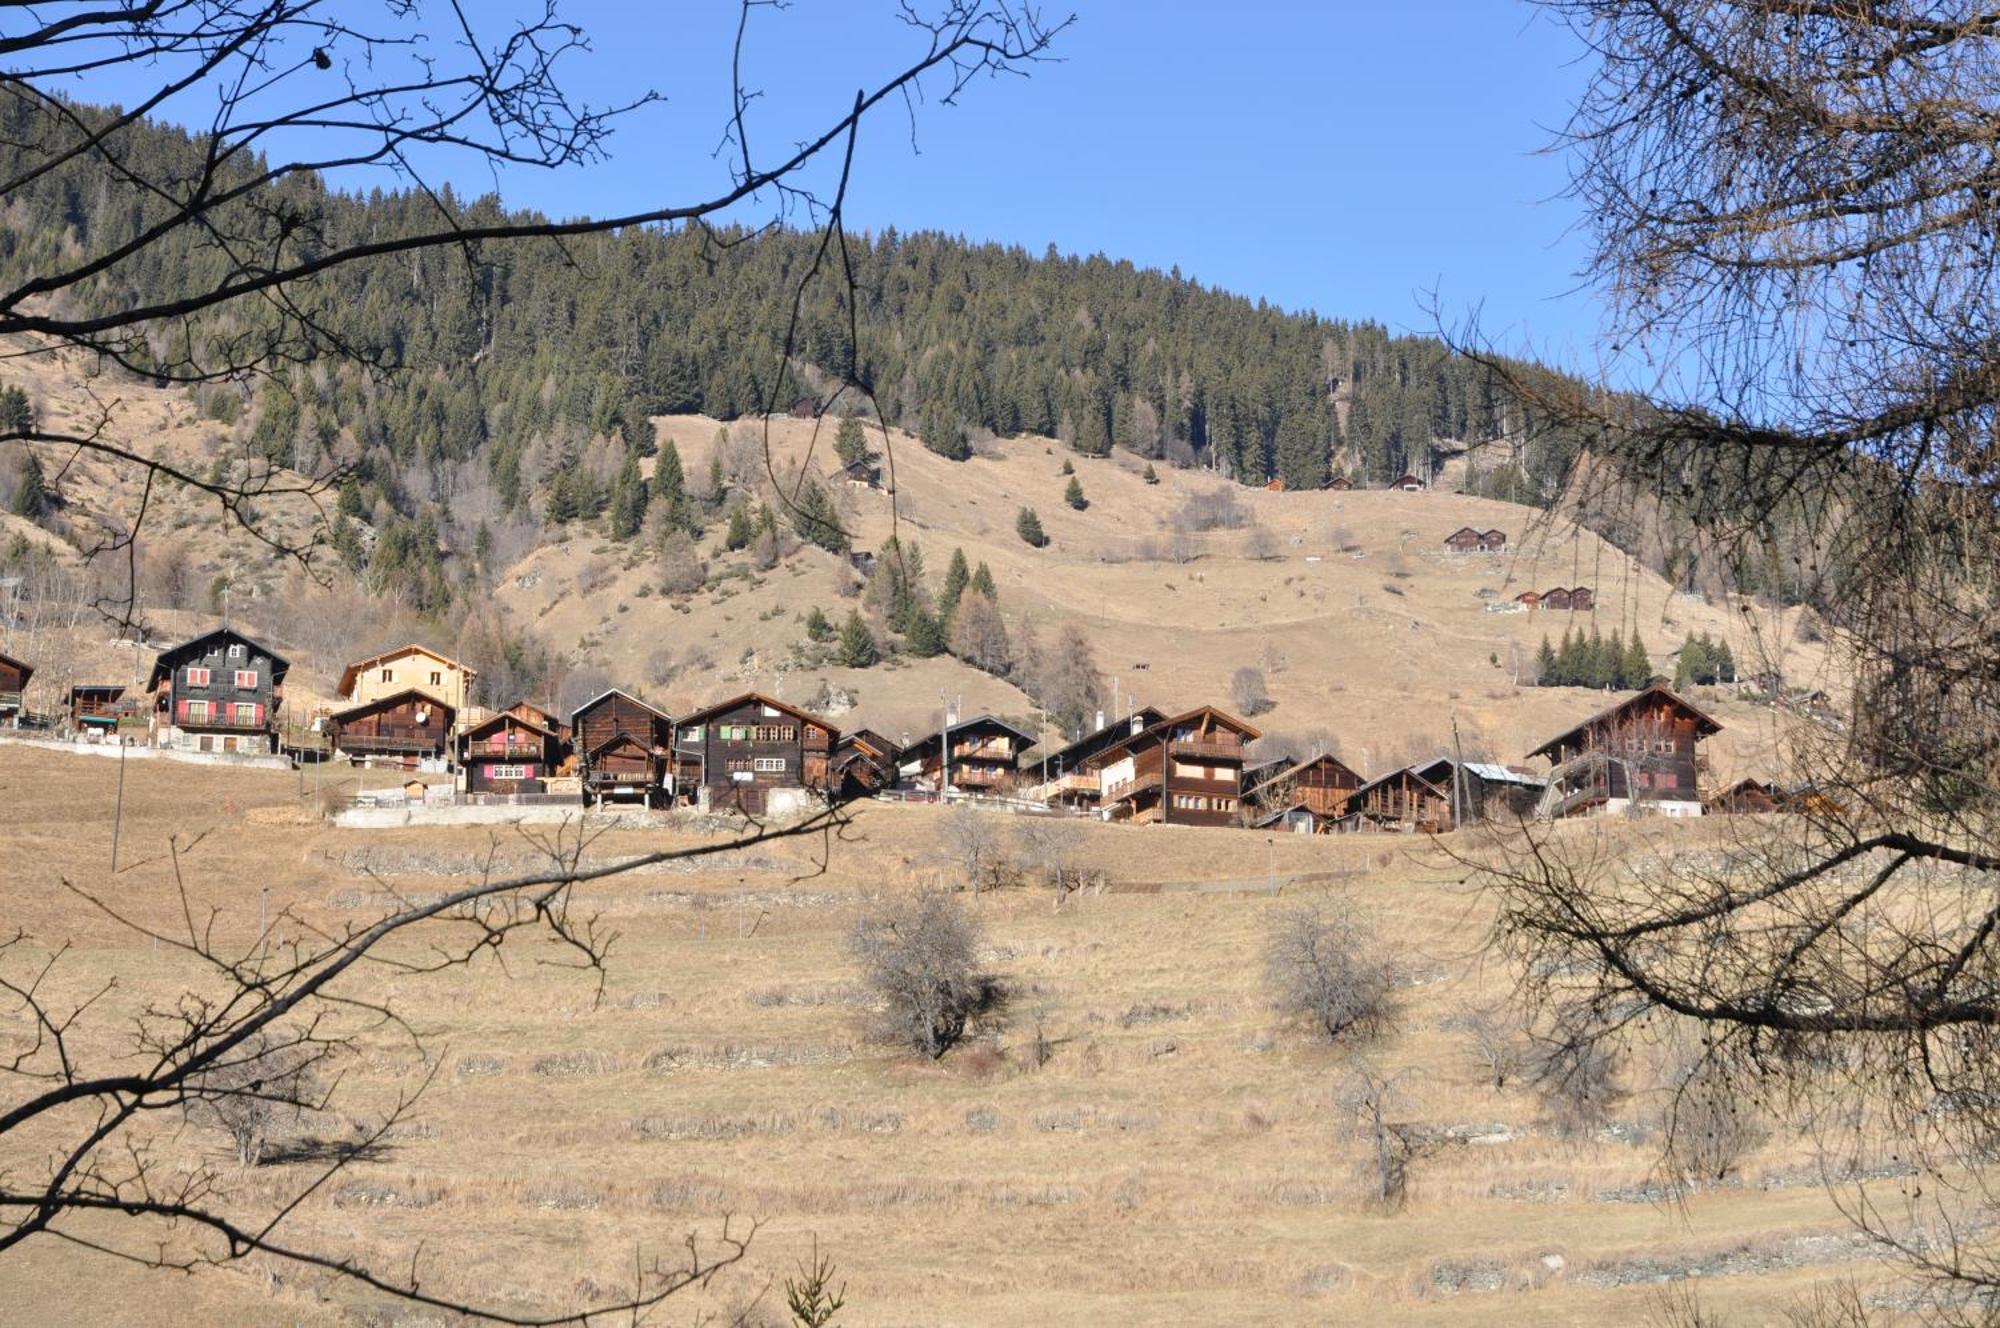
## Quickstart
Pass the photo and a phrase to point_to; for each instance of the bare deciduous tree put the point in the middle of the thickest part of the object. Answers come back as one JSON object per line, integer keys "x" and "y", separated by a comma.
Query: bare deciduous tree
{"x": 1324, "y": 967}
{"x": 920, "y": 956}
{"x": 972, "y": 842}
{"x": 1374, "y": 1110}
{"x": 1048, "y": 847}
{"x": 1247, "y": 690}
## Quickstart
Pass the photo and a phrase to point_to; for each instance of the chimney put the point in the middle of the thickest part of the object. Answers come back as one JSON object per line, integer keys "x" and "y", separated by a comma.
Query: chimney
{"x": 1100, "y": 722}
{"x": 1138, "y": 725}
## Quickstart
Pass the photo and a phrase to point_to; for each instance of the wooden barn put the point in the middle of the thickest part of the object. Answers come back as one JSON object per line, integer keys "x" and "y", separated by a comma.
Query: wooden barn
{"x": 406, "y": 668}
{"x": 752, "y": 754}
{"x": 404, "y": 727}
{"x": 506, "y": 755}
{"x": 14, "y": 675}
{"x": 1582, "y": 598}
{"x": 1322, "y": 784}
{"x": 538, "y": 715}
{"x": 1465, "y": 540}
{"x": 218, "y": 692}
{"x": 93, "y": 709}
{"x": 1641, "y": 754}
{"x": 1401, "y": 801}
{"x": 1407, "y": 483}
{"x": 624, "y": 748}
{"x": 1556, "y": 597}
{"x": 1492, "y": 541}
{"x": 1340, "y": 484}
{"x": 863, "y": 764}
{"x": 1531, "y": 598}
{"x": 1187, "y": 770}
{"x": 1066, "y": 775}
{"x": 1484, "y": 790}
{"x": 979, "y": 756}
{"x": 1746, "y": 797}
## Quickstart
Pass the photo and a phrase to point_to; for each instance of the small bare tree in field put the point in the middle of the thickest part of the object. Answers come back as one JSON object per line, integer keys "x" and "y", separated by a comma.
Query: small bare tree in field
{"x": 271, "y": 1078}
{"x": 1374, "y": 1110}
{"x": 1047, "y": 846}
{"x": 920, "y": 955}
{"x": 1706, "y": 1119}
{"x": 1574, "y": 1074}
{"x": 1247, "y": 690}
{"x": 972, "y": 842}
{"x": 1326, "y": 969}
{"x": 1494, "y": 1041}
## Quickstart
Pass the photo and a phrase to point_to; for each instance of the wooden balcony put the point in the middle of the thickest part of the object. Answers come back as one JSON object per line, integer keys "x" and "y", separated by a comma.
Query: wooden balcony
{"x": 1076, "y": 782}
{"x": 1210, "y": 747}
{"x": 407, "y": 743}
{"x": 982, "y": 751}
{"x": 526, "y": 751}
{"x": 225, "y": 720}
{"x": 10, "y": 700}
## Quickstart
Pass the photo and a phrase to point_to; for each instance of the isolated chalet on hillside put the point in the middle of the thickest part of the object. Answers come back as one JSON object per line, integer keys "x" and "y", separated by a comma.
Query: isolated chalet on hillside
{"x": 624, "y": 748}
{"x": 978, "y": 755}
{"x": 752, "y": 754}
{"x": 1467, "y": 540}
{"x": 14, "y": 675}
{"x": 1641, "y": 753}
{"x": 218, "y": 692}
{"x": 1187, "y": 770}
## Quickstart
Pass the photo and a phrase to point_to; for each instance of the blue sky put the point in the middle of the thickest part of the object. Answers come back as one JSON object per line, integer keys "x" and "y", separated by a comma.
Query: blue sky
{"x": 1345, "y": 156}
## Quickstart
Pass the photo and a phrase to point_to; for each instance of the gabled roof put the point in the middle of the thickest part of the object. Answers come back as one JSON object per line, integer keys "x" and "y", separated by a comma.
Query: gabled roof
{"x": 116, "y": 689}
{"x": 1156, "y": 733}
{"x": 163, "y": 663}
{"x": 1466, "y": 530}
{"x": 611, "y": 692}
{"x": 504, "y": 717}
{"x": 969, "y": 722}
{"x": 394, "y": 698}
{"x": 617, "y": 739}
{"x": 1280, "y": 813}
{"x": 1704, "y": 725}
{"x": 26, "y": 669}
{"x": 1405, "y": 772}
{"x": 1439, "y": 769}
{"x": 868, "y": 740}
{"x": 754, "y": 698}
{"x": 1146, "y": 715}
{"x": 1487, "y": 534}
{"x": 1323, "y": 757}
{"x": 352, "y": 673}
{"x": 550, "y": 715}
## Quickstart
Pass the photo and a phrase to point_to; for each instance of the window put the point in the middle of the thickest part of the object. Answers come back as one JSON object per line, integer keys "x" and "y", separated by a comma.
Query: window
{"x": 246, "y": 677}
{"x": 508, "y": 771}
{"x": 735, "y": 733}
{"x": 197, "y": 712}
{"x": 388, "y": 675}
{"x": 437, "y": 679}
{"x": 246, "y": 712}
{"x": 737, "y": 765}
{"x": 692, "y": 733}
{"x": 776, "y": 733}
{"x": 197, "y": 677}
{"x": 237, "y": 651}
{"x": 770, "y": 765}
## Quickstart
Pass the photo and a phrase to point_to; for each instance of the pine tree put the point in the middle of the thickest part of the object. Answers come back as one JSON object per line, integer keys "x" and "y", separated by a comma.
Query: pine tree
{"x": 347, "y": 543}
{"x": 1546, "y": 674}
{"x": 857, "y": 643}
{"x": 1613, "y": 667}
{"x": 850, "y": 444}
{"x": 982, "y": 582}
{"x": 1638, "y": 669}
{"x": 17, "y": 413}
{"x": 814, "y": 517}
{"x": 1073, "y": 495}
{"x": 629, "y": 495}
{"x": 818, "y": 628}
{"x": 1725, "y": 663}
{"x": 955, "y": 578}
{"x": 350, "y": 498}
{"x": 943, "y": 434}
{"x": 739, "y": 534}
{"x": 1301, "y": 451}
{"x": 670, "y": 487}
{"x": 1029, "y": 527}
{"x": 31, "y": 499}
{"x": 925, "y": 634}
{"x": 1067, "y": 468}
{"x": 563, "y": 505}
{"x": 1151, "y": 476}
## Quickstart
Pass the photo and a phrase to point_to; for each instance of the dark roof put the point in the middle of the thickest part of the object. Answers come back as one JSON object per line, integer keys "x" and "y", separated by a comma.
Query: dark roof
{"x": 163, "y": 663}
{"x": 505, "y": 717}
{"x": 805, "y": 716}
{"x": 1704, "y": 725}
{"x": 1229, "y": 721}
{"x": 877, "y": 742}
{"x": 384, "y": 702}
{"x": 610, "y": 692}
{"x": 969, "y": 722}
{"x": 27, "y": 669}
{"x": 1411, "y": 771}
{"x": 1281, "y": 813}
{"x": 116, "y": 689}
{"x": 1092, "y": 743}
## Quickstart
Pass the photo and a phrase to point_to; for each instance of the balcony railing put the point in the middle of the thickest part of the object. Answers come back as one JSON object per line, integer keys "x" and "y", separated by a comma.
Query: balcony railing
{"x": 1228, "y": 751}
{"x": 1078, "y": 783}
{"x": 389, "y": 742}
{"x": 225, "y": 720}
{"x": 10, "y": 700}
{"x": 982, "y": 751}
{"x": 524, "y": 750}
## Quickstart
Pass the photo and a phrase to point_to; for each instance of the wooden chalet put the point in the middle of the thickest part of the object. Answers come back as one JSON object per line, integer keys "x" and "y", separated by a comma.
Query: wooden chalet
{"x": 983, "y": 758}
{"x": 507, "y": 755}
{"x": 1641, "y": 752}
{"x": 1492, "y": 541}
{"x": 1340, "y": 484}
{"x": 1531, "y": 598}
{"x": 624, "y": 748}
{"x": 1556, "y": 597}
{"x": 1070, "y": 778}
{"x": 863, "y": 763}
{"x": 752, "y": 754}
{"x": 1484, "y": 790}
{"x": 218, "y": 692}
{"x": 14, "y": 675}
{"x": 1401, "y": 801}
{"x": 403, "y": 727}
{"x": 1465, "y": 540}
{"x": 1407, "y": 483}
{"x": 536, "y": 715}
{"x": 1187, "y": 770}
{"x": 1323, "y": 784}
{"x": 93, "y": 709}
{"x": 1746, "y": 797}
{"x": 406, "y": 668}
{"x": 1582, "y": 598}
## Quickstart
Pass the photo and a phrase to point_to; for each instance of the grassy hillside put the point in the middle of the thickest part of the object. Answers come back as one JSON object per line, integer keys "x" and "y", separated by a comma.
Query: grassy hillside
{"x": 1179, "y": 1157}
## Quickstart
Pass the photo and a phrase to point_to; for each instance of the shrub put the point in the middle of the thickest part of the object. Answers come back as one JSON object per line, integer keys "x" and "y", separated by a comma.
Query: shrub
{"x": 920, "y": 956}
{"x": 246, "y": 1092}
{"x": 1324, "y": 967}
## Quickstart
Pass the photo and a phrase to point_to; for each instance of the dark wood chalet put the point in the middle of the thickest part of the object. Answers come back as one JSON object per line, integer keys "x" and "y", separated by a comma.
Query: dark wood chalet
{"x": 752, "y": 754}
{"x": 14, "y": 675}
{"x": 1493, "y": 541}
{"x": 1465, "y": 540}
{"x": 1746, "y": 797}
{"x": 1556, "y": 597}
{"x": 1340, "y": 484}
{"x": 506, "y": 755}
{"x": 1407, "y": 484}
{"x": 1070, "y": 778}
{"x": 1484, "y": 790}
{"x": 1582, "y": 598}
{"x": 1322, "y": 784}
{"x": 1401, "y": 801}
{"x": 404, "y": 727}
{"x": 536, "y": 715}
{"x": 863, "y": 764}
{"x": 1187, "y": 770}
{"x": 980, "y": 755}
{"x": 93, "y": 709}
{"x": 219, "y": 692}
{"x": 1640, "y": 752}
{"x": 624, "y": 748}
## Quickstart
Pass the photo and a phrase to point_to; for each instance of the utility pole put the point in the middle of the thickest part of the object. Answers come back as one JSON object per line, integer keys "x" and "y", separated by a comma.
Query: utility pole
{"x": 1457, "y": 778}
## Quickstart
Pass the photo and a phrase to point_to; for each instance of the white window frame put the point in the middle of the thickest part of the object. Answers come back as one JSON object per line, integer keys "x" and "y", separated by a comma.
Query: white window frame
{"x": 246, "y": 678}
{"x": 768, "y": 765}
{"x": 198, "y": 675}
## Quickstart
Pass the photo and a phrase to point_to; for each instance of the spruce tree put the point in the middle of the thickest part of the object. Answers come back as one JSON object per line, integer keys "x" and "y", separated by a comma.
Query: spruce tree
{"x": 1151, "y": 476}
{"x": 818, "y": 628}
{"x": 1545, "y": 664}
{"x": 1067, "y": 468}
{"x": 857, "y": 643}
{"x": 350, "y": 498}
{"x": 982, "y": 582}
{"x": 739, "y": 534}
{"x": 17, "y": 413}
{"x": 31, "y": 499}
{"x": 955, "y": 578}
{"x": 1301, "y": 451}
{"x": 1725, "y": 663}
{"x": 850, "y": 444}
{"x": 670, "y": 486}
{"x": 814, "y": 517}
{"x": 924, "y": 636}
{"x": 1638, "y": 663}
{"x": 1029, "y": 527}
{"x": 629, "y": 495}
{"x": 1568, "y": 660}
{"x": 943, "y": 434}
{"x": 1073, "y": 495}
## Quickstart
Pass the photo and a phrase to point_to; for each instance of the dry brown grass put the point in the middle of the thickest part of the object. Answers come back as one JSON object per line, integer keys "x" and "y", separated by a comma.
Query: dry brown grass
{"x": 1178, "y": 1158}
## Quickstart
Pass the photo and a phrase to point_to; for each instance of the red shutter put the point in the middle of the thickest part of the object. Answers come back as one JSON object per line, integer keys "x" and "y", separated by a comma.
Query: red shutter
{"x": 181, "y": 709}
{"x": 260, "y": 714}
